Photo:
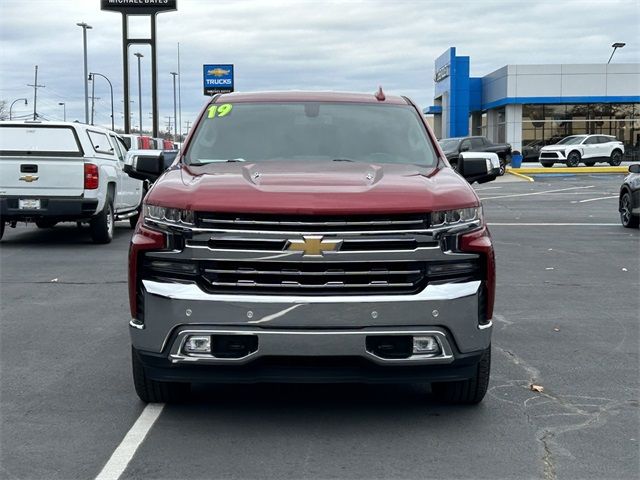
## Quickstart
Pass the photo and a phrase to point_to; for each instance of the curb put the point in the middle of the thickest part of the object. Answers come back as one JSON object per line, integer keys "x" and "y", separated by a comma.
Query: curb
{"x": 575, "y": 170}
{"x": 520, "y": 175}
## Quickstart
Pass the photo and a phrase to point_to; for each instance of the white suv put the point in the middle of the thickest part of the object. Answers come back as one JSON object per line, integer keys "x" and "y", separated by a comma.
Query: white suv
{"x": 587, "y": 149}
{"x": 54, "y": 172}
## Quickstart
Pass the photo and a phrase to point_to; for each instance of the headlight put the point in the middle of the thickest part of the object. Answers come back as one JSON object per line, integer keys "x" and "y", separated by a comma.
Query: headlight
{"x": 459, "y": 216}
{"x": 174, "y": 216}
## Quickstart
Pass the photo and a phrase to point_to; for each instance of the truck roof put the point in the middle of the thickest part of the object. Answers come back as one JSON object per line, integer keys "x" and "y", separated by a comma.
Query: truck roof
{"x": 302, "y": 96}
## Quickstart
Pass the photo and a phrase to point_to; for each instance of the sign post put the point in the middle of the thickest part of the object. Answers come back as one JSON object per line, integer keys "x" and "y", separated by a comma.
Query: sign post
{"x": 217, "y": 78}
{"x": 139, "y": 7}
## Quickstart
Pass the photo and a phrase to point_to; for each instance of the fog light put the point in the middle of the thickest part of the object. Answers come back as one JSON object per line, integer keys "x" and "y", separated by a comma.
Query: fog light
{"x": 427, "y": 345}
{"x": 197, "y": 344}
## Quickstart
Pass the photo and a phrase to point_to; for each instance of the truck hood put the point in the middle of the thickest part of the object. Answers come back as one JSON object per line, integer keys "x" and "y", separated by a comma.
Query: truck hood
{"x": 310, "y": 187}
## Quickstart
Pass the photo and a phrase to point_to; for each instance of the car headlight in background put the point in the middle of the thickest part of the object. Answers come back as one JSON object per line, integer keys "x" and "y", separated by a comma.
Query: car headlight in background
{"x": 459, "y": 216}
{"x": 174, "y": 216}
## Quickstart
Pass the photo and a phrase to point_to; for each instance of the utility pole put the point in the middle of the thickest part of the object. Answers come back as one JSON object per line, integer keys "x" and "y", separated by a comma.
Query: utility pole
{"x": 93, "y": 96}
{"x": 139, "y": 55}
{"x": 179, "y": 122}
{"x": 93, "y": 106}
{"x": 35, "y": 93}
{"x": 85, "y": 27}
{"x": 175, "y": 109}
{"x": 188, "y": 127}
{"x": 168, "y": 123}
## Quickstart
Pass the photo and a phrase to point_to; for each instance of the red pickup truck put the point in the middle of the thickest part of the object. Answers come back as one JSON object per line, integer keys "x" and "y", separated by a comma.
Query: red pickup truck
{"x": 311, "y": 237}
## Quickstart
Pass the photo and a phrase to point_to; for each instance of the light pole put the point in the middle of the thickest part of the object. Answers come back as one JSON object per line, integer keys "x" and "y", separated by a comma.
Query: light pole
{"x": 615, "y": 46}
{"x": 85, "y": 27}
{"x": 110, "y": 87}
{"x": 139, "y": 55}
{"x": 16, "y": 100}
{"x": 64, "y": 110}
{"x": 175, "y": 109}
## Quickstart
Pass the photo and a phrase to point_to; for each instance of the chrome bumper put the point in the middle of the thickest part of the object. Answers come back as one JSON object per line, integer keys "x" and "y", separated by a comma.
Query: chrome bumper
{"x": 292, "y": 325}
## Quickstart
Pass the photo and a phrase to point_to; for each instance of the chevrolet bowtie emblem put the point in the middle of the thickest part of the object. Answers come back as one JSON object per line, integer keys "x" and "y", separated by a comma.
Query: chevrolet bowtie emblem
{"x": 29, "y": 178}
{"x": 313, "y": 245}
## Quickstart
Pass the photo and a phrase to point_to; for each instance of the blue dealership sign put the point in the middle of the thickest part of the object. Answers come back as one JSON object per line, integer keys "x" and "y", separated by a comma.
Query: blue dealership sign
{"x": 217, "y": 79}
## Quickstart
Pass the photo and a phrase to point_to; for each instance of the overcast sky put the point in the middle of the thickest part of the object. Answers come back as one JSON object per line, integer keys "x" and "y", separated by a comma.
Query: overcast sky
{"x": 305, "y": 45}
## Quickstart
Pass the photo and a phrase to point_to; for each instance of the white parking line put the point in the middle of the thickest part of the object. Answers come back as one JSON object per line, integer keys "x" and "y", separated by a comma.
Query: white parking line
{"x": 537, "y": 193}
{"x": 486, "y": 188}
{"x": 122, "y": 455}
{"x": 506, "y": 224}
{"x": 594, "y": 199}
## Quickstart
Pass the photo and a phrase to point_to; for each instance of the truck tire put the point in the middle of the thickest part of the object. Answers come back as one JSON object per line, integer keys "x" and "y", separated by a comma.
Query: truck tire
{"x": 45, "y": 223}
{"x": 152, "y": 391}
{"x": 627, "y": 218}
{"x": 503, "y": 167}
{"x": 469, "y": 391}
{"x": 573, "y": 160}
{"x": 101, "y": 225}
{"x": 616, "y": 158}
{"x": 589, "y": 164}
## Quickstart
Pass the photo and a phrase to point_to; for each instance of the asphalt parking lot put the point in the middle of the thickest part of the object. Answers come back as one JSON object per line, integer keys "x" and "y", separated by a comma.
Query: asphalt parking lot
{"x": 566, "y": 319}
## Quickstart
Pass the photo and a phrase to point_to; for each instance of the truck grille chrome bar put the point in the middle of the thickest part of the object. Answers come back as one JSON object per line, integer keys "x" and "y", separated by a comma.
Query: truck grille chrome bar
{"x": 278, "y": 223}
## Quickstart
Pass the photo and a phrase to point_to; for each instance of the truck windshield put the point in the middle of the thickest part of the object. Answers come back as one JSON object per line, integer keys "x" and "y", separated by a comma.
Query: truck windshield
{"x": 256, "y": 132}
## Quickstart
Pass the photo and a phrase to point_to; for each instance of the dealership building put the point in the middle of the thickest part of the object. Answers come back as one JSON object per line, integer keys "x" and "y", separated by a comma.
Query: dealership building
{"x": 530, "y": 106}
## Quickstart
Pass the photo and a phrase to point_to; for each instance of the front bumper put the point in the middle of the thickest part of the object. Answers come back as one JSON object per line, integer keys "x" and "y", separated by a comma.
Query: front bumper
{"x": 308, "y": 370}
{"x": 314, "y": 326}
{"x": 61, "y": 208}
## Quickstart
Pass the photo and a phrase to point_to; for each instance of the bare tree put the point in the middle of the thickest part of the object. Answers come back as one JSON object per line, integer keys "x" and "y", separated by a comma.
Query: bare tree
{"x": 4, "y": 111}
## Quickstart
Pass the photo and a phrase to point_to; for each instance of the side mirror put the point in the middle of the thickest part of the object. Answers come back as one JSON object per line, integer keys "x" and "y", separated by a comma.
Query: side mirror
{"x": 144, "y": 166}
{"x": 635, "y": 168}
{"x": 465, "y": 148}
{"x": 479, "y": 167}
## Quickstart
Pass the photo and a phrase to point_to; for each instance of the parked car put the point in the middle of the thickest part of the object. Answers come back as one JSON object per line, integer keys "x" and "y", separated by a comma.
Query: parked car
{"x": 629, "y": 205}
{"x": 452, "y": 148}
{"x": 587, "y": 149}
{"x": 54, "y": 172}
{"x": 336, "y": 244}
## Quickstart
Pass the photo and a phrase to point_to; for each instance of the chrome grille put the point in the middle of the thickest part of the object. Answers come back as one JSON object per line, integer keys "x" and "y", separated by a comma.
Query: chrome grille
{"x": 312, "y": 255}
{"x": 310, "y": 277}
{"x": 324, "y": 224}
{"x": 224, "y": 276}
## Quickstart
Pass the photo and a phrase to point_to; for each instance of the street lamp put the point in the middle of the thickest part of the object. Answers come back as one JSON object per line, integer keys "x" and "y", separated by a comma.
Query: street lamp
{"x": 615, "y": 46}
{"x": 139, "y": 55}
{"x": 64, "y": 110}
{"x": 16, "y": 100}
{"x": 175, "y": 111}
{"x": 85, "y": 27}
{"x": 110, "y": 87}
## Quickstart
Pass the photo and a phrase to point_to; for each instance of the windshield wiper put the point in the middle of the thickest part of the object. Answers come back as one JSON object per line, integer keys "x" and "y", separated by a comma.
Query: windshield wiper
{"x": 217, "y": 160}
{"x": 343, "y": 160}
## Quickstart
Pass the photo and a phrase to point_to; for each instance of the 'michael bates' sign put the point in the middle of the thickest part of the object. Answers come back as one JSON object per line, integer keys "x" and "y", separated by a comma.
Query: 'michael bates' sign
{"x": 139, "y": 7}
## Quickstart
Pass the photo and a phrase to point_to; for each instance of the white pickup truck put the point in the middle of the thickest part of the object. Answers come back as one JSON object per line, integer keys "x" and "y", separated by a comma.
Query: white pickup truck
{"x": 54, "y": 172}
